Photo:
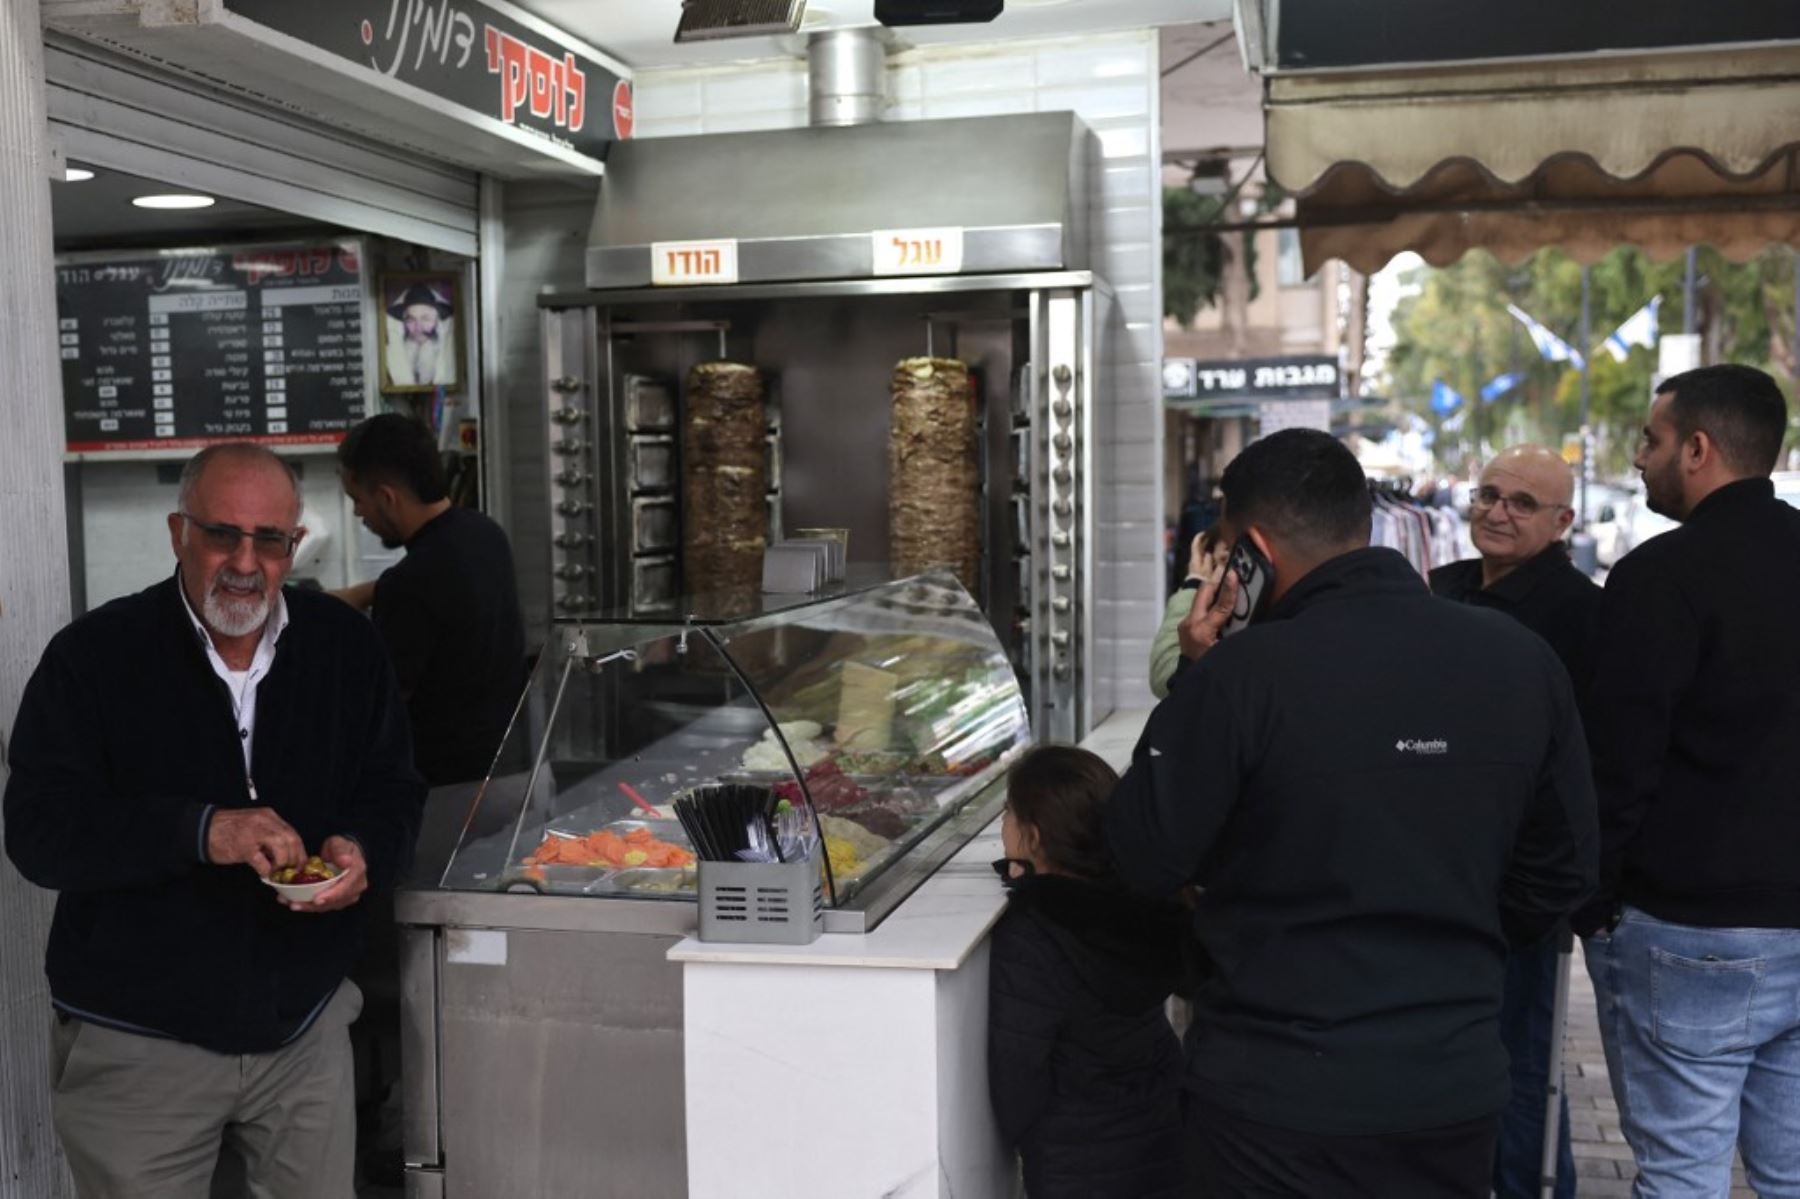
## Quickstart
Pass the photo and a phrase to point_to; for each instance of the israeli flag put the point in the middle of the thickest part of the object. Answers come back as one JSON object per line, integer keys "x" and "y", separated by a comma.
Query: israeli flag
{"x": 1444, "y": 399}
{"x": 1498, "y": 386}
{"x": 1548, "y": 344}
{"x": 1639, "y": 329}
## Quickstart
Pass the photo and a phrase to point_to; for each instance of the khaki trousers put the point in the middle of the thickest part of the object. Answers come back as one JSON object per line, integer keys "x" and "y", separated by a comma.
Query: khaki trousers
{"x": 145, "y": 1118}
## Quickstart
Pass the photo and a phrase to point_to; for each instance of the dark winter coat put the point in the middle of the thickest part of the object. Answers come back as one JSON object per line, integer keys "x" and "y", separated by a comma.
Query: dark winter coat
{"x": 1083, "y": 1068}
{"x": 1378, "y": 791}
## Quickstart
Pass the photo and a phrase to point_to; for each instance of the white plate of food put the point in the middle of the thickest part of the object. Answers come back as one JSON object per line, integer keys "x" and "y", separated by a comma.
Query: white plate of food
{"x": 305, "y": 882}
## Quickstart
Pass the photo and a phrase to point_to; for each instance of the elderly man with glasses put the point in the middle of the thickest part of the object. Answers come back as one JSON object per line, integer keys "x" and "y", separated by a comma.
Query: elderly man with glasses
{"x": 173, "y": 749}
{"x": 1518, "y": 517}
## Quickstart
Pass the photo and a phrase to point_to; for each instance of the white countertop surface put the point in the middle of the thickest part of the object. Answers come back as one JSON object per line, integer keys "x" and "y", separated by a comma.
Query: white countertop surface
{"x": 941, "y": 923}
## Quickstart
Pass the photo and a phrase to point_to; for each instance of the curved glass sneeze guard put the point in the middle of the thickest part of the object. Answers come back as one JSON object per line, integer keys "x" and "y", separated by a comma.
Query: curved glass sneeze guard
{"x": 892, "y": 708}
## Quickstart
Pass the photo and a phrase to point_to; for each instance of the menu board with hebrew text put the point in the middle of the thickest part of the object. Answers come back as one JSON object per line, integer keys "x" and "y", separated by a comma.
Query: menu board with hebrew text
{"x": 178, "y": 349}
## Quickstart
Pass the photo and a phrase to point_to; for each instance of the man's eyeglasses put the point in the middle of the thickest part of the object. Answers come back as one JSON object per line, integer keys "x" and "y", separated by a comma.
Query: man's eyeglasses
{"x": 271, "y": 545}
{"x": 1519, "y": 503}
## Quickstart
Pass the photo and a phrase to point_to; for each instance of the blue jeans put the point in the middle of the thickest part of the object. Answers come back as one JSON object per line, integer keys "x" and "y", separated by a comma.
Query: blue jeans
{"x": 1702, "y": 1034}
{"x": 1527, "y": 1008}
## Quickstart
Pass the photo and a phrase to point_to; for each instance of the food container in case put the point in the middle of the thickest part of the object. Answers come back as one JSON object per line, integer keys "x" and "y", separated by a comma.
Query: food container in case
{"x": 649, "y": 404}
{"x": 652, "y": 583}
{"x": 651, "y": 463}
{"x": 653, "y": 526}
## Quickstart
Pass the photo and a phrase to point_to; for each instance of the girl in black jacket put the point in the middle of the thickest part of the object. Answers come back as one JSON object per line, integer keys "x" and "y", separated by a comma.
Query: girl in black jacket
{"x": 1083, "y": 1068}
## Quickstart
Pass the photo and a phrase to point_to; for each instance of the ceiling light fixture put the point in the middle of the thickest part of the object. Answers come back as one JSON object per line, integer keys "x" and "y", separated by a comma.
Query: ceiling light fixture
{"x": 76, "y": 175}
{"x": 173, "y": 200}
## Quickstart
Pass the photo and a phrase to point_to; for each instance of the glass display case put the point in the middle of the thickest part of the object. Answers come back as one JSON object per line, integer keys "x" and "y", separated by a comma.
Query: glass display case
{"x": 887, "y": 713}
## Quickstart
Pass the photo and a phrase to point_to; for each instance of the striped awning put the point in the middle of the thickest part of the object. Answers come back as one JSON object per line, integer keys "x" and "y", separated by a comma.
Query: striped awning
{"x": 1661, "y": 151}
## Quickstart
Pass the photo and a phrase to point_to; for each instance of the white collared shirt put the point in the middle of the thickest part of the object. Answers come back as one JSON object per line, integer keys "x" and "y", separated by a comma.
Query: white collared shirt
{"x": 242, "y": 684}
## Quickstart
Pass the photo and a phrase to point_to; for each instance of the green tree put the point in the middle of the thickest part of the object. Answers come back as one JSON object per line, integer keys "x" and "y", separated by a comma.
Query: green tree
{"x": 1455, "y": 327}
{"x": 1195, "y": 258}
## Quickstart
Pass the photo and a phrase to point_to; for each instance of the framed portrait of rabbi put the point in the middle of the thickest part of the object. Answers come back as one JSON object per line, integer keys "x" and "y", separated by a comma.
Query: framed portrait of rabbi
{"x": 419, "y": 349}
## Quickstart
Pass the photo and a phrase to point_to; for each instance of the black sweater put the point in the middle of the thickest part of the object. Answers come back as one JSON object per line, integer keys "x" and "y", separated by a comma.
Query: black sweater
{"x": 1083, "y": 1068}
{"x": 1547, "y": 595}
{"x": 1695, "y": 721}
{"x": 449, "y": 612}
{"x": 1378, "y": 791}
{"x": 124, "y": 737}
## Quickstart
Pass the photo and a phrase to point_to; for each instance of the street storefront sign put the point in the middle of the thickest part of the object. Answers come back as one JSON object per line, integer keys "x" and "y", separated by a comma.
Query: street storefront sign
{"x": 1300, "y": 377}
{"x": 480, "y": 57}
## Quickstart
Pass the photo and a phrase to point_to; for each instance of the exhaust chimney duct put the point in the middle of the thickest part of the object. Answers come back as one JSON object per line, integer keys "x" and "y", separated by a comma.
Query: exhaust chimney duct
{"x": 846, "y": 76}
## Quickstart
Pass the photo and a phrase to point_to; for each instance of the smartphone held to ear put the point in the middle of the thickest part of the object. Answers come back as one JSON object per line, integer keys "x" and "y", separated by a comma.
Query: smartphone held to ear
{"x": 1254, "y": 575}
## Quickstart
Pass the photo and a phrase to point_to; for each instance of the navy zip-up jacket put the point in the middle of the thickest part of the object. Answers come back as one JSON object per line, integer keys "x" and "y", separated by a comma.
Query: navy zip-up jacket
{"x": 124, "y": 738}
{"x": 1378, "y": 791}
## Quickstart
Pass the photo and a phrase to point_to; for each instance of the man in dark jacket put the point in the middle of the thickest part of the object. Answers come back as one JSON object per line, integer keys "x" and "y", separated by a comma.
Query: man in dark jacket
{"x": 1371, "y": 832}
{"x": 1518, "y": 517}
{"x": 172, "y": 749}
{"x": 1695, "y": 728}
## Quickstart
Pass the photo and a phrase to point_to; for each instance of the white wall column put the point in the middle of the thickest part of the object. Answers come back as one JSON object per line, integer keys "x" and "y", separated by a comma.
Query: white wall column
{"x": 34, "y": 576}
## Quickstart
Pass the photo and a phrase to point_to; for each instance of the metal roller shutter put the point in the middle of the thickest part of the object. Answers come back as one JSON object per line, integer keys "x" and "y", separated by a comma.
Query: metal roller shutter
{"x": 126, "y": 115}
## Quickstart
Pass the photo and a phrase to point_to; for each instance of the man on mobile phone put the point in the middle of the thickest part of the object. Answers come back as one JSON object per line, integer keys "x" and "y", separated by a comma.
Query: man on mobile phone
{"x": 1370, "y": 833}
{"x": 1519, "y": 515}
{"x": 1694, "y": 938}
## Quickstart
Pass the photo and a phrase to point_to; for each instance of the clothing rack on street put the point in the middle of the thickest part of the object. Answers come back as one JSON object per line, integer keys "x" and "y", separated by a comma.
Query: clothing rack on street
{"x": 1424, "y": 532}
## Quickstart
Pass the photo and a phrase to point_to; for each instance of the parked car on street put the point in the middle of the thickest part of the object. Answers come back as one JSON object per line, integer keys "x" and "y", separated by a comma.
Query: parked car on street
{"x": 1638, "y": 524}
{"x": 1607, "y": 507}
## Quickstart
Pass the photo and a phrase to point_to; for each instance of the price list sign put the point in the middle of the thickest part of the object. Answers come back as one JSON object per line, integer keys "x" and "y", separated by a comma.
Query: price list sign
{"x": 181, "y": 349}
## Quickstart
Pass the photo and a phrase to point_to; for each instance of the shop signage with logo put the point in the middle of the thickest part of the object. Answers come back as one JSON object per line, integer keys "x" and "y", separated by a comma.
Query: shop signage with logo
{"x": 478, "y": 56}
{"x": 1298, "y": 377}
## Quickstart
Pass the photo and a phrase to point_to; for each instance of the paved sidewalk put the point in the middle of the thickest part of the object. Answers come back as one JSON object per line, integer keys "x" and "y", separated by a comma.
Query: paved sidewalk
{"x": 1602, "y": 1158}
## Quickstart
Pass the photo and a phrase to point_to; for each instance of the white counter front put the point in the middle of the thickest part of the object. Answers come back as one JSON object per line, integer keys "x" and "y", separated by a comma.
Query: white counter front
{"x": 857, "y": 1065}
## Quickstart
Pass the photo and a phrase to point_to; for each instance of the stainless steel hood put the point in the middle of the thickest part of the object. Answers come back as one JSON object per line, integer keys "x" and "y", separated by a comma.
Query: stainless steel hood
{"x": 992, "y": 194}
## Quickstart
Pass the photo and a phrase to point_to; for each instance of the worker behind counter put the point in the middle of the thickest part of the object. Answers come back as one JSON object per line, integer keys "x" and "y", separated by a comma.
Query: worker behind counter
{"x": 449, "y": 610}
{"x": 1378, "y": 791}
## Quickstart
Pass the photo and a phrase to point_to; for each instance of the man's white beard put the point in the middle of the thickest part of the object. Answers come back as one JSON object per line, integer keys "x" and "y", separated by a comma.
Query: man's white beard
{"x": 231, "y": 617}
{"x": 424, "y": 358}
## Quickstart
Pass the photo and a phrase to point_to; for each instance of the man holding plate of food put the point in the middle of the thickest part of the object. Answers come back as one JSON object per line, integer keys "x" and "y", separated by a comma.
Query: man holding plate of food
{"x": 175, "y": 751}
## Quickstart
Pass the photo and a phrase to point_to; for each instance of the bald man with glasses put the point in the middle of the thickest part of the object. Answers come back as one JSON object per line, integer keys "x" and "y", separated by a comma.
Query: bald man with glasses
{"x": 172, "y": 750}
{"x": 1518, "y": 517}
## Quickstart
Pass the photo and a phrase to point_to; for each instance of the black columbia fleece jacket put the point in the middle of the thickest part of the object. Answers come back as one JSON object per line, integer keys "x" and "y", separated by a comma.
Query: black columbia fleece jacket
{"x": 1378, "y": 791}
{"x": 124, "y": 738}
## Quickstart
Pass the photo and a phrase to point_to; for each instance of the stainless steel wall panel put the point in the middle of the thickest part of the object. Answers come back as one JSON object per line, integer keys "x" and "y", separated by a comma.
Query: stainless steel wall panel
{"x": 421, "y": 1135}
{"x": 34, "y": 587}
{"x": 563, "y": 1069}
